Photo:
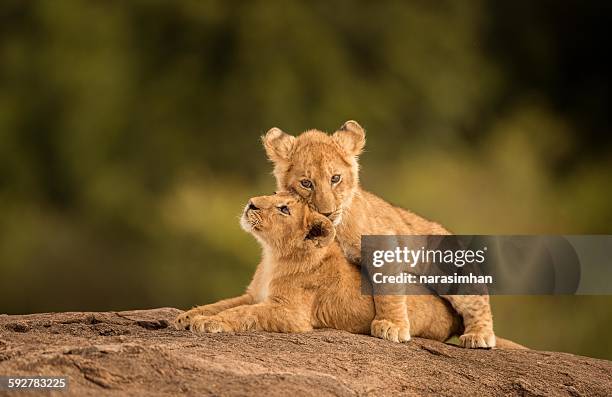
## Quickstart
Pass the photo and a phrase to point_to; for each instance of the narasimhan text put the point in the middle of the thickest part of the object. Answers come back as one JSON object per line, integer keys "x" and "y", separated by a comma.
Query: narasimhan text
{"x": 409, "y": 278}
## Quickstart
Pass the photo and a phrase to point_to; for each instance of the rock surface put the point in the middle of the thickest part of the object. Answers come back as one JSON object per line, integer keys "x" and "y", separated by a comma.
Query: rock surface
{"x": 138, "y": 353}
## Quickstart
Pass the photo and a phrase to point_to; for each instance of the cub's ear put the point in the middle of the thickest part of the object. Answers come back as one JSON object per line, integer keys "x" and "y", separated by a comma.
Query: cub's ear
{"x": 351, "y": 137}
{"x": 278, "y": 145}
{"x": 320, "y": 230}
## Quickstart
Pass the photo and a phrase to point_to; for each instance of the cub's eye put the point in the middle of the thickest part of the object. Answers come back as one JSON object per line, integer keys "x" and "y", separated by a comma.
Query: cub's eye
{"x": 306, "y": 183}
{"x": 284, "y": 209}
{"x": 335, "y": 179}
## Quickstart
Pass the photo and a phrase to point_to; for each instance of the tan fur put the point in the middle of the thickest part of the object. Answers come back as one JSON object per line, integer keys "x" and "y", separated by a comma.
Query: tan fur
{"x": 316, "y": 157}
{"x": 304, "y": 282}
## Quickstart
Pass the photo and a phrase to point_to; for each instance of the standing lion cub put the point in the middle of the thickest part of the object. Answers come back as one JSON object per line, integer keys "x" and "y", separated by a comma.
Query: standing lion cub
{"x": 323, "y": 169}
{"x": 305, "y": 282}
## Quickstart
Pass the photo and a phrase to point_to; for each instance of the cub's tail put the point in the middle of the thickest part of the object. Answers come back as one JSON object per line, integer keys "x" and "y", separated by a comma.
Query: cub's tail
{"x": 506, "y": 344}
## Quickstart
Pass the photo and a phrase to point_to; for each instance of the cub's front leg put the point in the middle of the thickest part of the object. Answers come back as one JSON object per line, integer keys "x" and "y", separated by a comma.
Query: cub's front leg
{"x": 259, "y": 317}
{"x": 183, "y": 320}
{"x": 391, "y": 320}
{"x": 477, "y": 320}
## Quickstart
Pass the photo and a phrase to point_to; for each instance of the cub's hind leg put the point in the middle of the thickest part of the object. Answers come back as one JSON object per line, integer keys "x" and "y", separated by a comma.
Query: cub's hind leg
{"x": 432, "y": 317}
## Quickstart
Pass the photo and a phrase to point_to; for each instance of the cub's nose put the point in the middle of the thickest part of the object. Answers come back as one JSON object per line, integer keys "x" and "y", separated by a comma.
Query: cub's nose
{"x": 251, "y": 206}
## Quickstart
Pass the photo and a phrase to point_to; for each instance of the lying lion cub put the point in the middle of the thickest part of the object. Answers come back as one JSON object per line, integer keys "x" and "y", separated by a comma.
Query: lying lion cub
{"x": 305, "y": 282}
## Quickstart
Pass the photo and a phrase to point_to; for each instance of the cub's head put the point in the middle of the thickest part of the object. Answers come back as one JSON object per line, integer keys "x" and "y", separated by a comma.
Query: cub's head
{"x": 285, "y": 223}
{"x": 320, "y": 168}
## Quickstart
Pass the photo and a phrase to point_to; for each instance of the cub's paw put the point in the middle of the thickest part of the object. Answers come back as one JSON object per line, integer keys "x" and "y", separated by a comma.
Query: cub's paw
{"x": 484, "y": 339}
{"x": 183, "y": 320}
{"x": 388, "y": 330}
{"x": 211, "y": 325}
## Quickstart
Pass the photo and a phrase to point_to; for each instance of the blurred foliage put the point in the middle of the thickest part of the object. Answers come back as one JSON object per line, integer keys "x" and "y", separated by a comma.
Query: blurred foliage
{"x": 129, "y": 137}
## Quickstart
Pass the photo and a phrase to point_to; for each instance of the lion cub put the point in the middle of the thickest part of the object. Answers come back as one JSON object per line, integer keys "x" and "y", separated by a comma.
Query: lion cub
{"x": 305, "y": 282}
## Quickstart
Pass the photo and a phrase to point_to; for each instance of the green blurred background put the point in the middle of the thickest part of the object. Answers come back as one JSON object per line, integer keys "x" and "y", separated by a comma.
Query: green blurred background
{"x": 129, "y": 137}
